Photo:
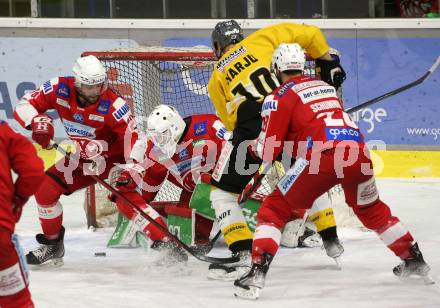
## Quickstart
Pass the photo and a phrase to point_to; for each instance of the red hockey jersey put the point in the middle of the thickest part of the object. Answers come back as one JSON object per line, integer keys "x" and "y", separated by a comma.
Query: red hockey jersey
{"x": 19, "y": 155}
{"x": 302, "y": 116}
{"x": 99, "y": 128}
{"x": 197, "y": 152}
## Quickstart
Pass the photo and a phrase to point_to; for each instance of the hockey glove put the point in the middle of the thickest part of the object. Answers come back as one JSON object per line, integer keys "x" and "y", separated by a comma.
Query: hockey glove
{"x": 42, "y": 130}
{"x": 331, "y": 71}
{"x": 17, "y": 206}
{"x": 130, "y": 177}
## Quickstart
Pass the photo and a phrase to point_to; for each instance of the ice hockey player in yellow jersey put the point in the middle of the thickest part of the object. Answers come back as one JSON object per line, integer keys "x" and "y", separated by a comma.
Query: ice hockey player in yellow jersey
{"x": 238, "y": 85}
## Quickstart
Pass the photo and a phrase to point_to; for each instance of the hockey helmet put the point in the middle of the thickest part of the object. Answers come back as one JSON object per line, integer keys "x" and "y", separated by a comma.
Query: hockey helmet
{"x": 89, "y": 71}
{"x": 288, "y": 57}
{"x": 224, "y": 34}
{"x": 165, "y": 127}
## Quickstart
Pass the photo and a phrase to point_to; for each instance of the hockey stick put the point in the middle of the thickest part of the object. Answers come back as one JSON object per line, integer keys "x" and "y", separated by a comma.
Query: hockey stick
{"x": 151, "y": 220}
{"x": 396, "y": 91}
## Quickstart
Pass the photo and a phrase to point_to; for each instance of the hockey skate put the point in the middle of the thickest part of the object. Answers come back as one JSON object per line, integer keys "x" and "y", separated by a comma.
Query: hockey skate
{"x": 309, "y": 239}
{"x": 414, "y": 266}
{"x": 232, "y": 271}
{"x": 248, "y": 286}
{"x": 334, "y": 249}
{"x": 171, "y": 253}
{"x": 49, "y": 254}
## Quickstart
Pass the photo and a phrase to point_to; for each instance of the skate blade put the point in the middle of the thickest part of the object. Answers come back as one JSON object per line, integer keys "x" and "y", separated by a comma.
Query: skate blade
{"x": 224, "y": 275}
{"x": 251, "y": 294}
{"x": 417, "y": 279}
{"x": 50, "y": 264}
{"x": 338, "y": 263}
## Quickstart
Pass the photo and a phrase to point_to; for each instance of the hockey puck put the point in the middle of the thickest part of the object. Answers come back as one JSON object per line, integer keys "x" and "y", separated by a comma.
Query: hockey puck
{"x": 100, "y": 254}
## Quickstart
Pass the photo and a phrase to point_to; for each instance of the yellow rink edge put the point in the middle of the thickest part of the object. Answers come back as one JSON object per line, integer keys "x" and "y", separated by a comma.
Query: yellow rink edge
{"x": 387, "y": 164}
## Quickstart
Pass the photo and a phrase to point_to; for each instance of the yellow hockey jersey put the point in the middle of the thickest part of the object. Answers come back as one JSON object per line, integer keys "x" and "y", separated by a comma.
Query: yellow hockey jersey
{"x": 244, "y": 71}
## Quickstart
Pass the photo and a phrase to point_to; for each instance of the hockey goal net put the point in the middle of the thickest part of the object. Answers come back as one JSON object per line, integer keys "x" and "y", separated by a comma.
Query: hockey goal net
{"x": 146, "y": 77}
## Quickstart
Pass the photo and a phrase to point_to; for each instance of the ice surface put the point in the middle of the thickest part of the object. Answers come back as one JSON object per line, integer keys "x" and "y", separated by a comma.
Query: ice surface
{"x": 297, "y": 278}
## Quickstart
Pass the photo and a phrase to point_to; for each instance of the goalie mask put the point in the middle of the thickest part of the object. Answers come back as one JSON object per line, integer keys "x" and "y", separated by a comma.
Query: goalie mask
{"x": 165, "y": 127}
{"x": 90, "y": 78}
{"x": 287, "y": 57}
{"x": 225, "y": 33}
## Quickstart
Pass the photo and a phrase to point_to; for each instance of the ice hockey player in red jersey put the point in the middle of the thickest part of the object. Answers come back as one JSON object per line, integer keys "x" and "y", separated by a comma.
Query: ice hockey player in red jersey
{"x": 304, "y": 118}
{"x": 19, "y": 155}
{"x": 180, "y": 150}
{"x": 102, "y": 127}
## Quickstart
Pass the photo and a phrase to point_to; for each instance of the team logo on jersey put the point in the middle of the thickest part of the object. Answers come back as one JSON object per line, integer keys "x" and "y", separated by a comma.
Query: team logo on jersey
{"x": 121, "y": 112}
{"x": 183, "y": 154}
{"x": 342, "y": 133}
{"x": 104, "y": 106}
{"x": 47, "y": 87}
{"x": 200, "y": 128}
{"x": 78, "y": 117}
{"x": 63, "y": 90}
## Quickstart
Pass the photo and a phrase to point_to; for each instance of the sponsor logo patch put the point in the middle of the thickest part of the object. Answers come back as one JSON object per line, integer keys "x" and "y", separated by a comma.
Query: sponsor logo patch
{"x": 269, "y": 105}
{"x": 62, "y": 102}
{"x": 95, "y": 117}
{"x": 282, "y": 90}
{"x": 77, "y": 129}
{"x": 47, "y": 87}
{"x": 183, "y": 154}
{"x": 198, "y": 143}
{"x": 200, "y": 128}
{"x": 63, "y": 90}
{"x": 315, "y": 93}
{"x": 342, "y": 133}
{"x": 234, "y": 55}
{"x": 121, "y": 112}
{"x": 291, "y": 175}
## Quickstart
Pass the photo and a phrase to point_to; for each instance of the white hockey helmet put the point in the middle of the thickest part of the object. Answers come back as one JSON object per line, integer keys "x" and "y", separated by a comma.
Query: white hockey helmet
{"x": 165, "y": 127}
{"x": 89, "y": 71}
{"x": 288, "y": 57}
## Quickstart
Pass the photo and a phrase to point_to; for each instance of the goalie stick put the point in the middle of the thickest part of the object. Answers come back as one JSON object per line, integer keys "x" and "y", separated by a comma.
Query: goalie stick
{"x": 147, "y": 217}
{"x": 259, "y": 177}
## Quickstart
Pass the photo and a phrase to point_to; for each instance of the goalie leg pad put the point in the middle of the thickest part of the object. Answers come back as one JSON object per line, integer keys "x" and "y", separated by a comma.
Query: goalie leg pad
{"x": 231, "y": 221}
